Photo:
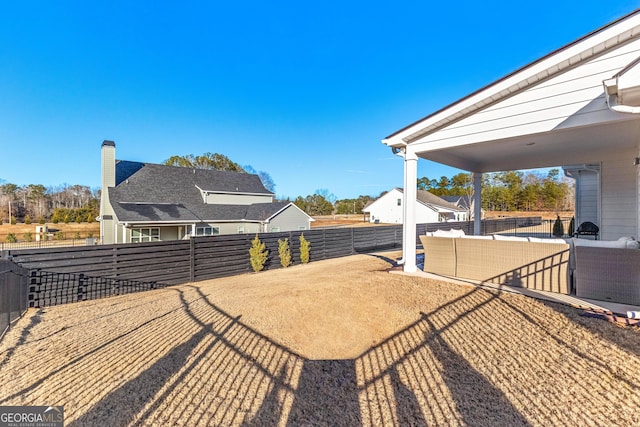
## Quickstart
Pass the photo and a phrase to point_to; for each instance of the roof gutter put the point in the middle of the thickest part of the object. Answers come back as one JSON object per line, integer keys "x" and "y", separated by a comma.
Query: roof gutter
{"x": 612, "y": 94}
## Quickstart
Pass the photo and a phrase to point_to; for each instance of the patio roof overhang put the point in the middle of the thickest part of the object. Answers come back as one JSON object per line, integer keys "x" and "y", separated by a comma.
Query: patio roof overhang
{"x": 586, "y": 144}
{"x": 556, "y": 110}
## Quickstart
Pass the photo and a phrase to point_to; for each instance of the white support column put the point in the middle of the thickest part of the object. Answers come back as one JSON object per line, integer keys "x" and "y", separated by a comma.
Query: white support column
{"x": 409, "y": 209}
{"x": 477, "y": 203}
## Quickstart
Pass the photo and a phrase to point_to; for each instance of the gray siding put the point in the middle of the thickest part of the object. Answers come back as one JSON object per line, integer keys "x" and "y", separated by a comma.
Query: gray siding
{"x": 237, "y": 199}
{"x": 587, "y": 207}
{"x": 619, "y": 195}
{"x": 291, "y": 219}
{"x": 232, "y": 227}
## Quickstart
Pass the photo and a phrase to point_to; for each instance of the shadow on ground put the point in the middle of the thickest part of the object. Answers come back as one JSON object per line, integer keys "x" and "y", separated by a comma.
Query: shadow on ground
{"x": 458, "y": 364}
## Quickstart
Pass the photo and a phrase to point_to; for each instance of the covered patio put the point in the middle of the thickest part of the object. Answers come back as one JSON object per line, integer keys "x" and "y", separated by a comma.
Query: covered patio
{"x": 576, "y": 107}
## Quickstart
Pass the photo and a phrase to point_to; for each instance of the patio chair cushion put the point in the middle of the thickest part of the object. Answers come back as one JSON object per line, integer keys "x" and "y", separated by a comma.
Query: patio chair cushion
{"x": 454, "y": 232}
{"x": 616, "y": 244}
{"x": 511, "y": 238}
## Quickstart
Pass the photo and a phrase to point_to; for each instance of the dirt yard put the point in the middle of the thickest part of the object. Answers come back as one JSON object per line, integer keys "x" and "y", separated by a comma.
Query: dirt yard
{"x": 340, "y": 342}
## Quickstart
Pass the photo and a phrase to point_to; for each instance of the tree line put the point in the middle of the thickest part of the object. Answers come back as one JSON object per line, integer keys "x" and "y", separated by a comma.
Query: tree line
{"x": 501, "y": 191}
{"x": 511, "y": 190}
{"x": 37, "y": 203}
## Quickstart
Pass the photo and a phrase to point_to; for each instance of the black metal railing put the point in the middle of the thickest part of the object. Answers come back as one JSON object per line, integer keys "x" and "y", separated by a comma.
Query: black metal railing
{"x": 14, "y": 282}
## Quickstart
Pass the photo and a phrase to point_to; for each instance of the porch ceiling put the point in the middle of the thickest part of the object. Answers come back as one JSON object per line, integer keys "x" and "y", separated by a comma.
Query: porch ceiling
{"x": 555, "y": 148}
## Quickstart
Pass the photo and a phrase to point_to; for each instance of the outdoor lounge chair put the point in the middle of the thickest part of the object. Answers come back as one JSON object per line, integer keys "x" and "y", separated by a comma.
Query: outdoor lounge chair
{"x": 587, "y": 228}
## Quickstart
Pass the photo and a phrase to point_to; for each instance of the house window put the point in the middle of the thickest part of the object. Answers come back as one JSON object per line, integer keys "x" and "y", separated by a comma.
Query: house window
{"x": 241, "y": 229}
{"x": 399, "y": 202}
{"x": 145, "y": 235}
{"x": 207, "y": 231}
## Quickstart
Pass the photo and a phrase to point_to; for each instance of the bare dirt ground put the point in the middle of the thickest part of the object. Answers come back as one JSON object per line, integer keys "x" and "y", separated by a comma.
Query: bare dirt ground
{"x": 337, "y": 342}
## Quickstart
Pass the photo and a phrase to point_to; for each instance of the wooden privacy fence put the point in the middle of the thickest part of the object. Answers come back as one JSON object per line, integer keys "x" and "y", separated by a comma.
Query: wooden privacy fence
{"x": 201, "y": 258}
{"x": 61, "y": 275}
{"x": 13, "y": 293}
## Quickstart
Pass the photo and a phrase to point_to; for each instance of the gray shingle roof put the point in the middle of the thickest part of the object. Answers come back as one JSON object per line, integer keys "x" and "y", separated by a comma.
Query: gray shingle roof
{"x": 431, "y": 199}
{"x": 150, "y": 192}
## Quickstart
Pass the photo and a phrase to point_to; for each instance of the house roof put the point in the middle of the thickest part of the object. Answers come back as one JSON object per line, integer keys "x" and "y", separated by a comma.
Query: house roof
{"x": 159, "y": 193}
{"x": 460, "y": 201}
{"x": 548, "y": 113}
{"x": 426, "y": 198}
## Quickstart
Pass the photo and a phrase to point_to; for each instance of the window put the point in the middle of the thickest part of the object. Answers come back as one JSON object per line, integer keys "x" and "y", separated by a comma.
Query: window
{"x": 275, "y": 229}
{"x": 207, "y": 231}
{"x": 241, "y": 229}
{"x": 399, "y": 202}
{"x": 302, "y": 228}
{"x": 145, "y": 235}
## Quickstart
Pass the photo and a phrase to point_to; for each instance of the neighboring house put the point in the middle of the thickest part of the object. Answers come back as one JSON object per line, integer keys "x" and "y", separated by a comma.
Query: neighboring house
{"x": 577, "y": 107}
{"x": 429, "y": 208}
{"x": 148, "y": 202}
{"x": 463, "y": 202}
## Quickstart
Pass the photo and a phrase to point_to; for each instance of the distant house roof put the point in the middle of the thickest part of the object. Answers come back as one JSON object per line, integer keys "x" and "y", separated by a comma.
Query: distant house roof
{"x": 159, "y": 193}
{"x": 463, "y": 202}
{"x": 428, "y": 199}
{"x": 431, "y": 199}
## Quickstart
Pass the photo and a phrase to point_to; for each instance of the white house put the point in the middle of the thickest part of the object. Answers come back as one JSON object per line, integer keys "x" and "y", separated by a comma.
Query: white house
{"x": 577, "y": 107}
{"x": 388, "y": 208}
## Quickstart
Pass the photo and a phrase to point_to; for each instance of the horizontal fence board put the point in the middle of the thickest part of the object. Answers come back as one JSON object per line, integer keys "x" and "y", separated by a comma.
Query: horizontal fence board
{"x": 151, "y": 264}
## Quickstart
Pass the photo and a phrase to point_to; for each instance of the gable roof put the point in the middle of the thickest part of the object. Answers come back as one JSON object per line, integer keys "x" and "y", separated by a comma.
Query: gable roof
{"x": 159, "y": 193}
{"x": 431, "y": 199}
{"x": 463, "y": 202}
{"x": 551, "y": 112}
{"x": 425, "y": 198}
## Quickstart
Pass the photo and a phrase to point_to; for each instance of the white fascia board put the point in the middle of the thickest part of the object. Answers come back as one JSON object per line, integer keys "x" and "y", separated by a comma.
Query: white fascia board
{"x": 151, "y": 223}
{"x": 561, "y": 60}
{"x": 234, "y": 192}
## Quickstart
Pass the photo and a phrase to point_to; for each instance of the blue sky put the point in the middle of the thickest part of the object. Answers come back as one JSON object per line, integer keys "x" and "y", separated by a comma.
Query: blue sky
{"x": 302, "y": 90}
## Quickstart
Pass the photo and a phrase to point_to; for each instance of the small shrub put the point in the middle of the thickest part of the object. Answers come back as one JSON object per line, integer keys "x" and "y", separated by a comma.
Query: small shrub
{"x": 258, "y": 254}
{"x": 90, "y": 234}
{"x": 558, "y": 227}
{"x": 11, "y": 238}
{"x": 12, "y": 221}
{"x": 28, "y": 237}
{"x": 59, "y": 235}
{"x": 572, "y": 227}
{"x": 76, "y": 235}
{"x": 305, "y": 249}
{"x": 55, "y": 220}
{"x": 1, "y": 222}
{"x": 284, "y": 252}
{"x": 41, "y": 220}
{"x": 27, "y": 219}
{"x": 66, "y": 218}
